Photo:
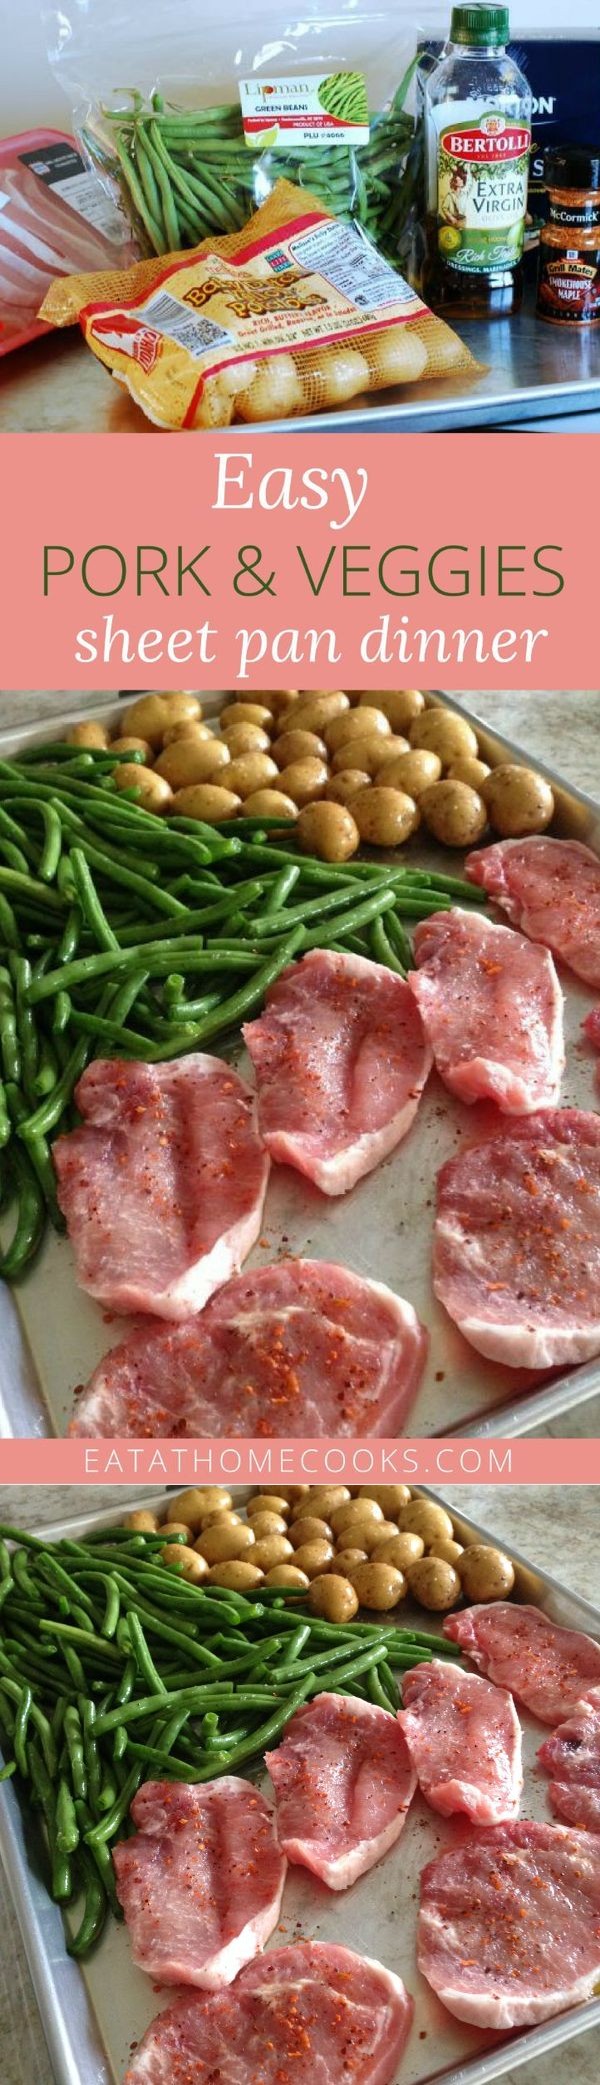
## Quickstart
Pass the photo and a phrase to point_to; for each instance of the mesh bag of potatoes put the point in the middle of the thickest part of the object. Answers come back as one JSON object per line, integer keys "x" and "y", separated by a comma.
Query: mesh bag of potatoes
{"x": 295, "y": 314}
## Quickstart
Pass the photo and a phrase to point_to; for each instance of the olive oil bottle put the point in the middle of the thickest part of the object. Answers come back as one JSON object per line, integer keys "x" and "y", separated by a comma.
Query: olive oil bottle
{"x": 477, "y": 142}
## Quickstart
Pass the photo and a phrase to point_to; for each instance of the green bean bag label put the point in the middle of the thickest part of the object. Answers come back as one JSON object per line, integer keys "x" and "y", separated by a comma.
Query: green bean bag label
{"x": 323, "y": 109}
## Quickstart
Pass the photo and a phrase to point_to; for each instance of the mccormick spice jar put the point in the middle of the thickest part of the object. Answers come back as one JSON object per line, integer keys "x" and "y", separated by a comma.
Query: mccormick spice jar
{"x": 569, "y": 265}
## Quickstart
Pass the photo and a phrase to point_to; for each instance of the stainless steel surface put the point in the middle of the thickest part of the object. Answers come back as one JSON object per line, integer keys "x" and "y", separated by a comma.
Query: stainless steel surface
{"x": 91, "y": 2015}
{"x": 382, "y": 1229}
{"x": 534, "y": 372}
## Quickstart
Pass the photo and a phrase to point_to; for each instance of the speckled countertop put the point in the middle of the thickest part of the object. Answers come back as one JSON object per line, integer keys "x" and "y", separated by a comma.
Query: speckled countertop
{"x": 556, "y": 1527}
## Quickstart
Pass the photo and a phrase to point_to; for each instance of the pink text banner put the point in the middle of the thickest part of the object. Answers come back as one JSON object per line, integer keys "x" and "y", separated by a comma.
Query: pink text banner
{"x": 432, "y": 1462}
{"x": 256, "y": 560}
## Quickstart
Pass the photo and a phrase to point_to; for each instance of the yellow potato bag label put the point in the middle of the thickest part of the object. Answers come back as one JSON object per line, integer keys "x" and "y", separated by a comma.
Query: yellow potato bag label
{"x": 296, "y": 313}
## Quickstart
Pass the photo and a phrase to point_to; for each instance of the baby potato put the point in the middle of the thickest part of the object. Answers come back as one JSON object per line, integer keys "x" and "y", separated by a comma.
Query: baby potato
{"x": 150, "y": 716}
{"x": 365, "y": 752}
{"x": 88, "y": 735}
{"x": 434, "y": 1584}
{"x": 251, "y": 772}
{"x": 426, "y": 1519}
{"x": 154, "y": 791}
{"x": 298, "y": 745}
{"x": 391, "y": 1497}
{"x": 309, "y": 1529}
{"x": 400, "y": 1550}
{"x": 295, "y": 1495}
{"x": 379, "y": 1586}
{"x": 399, "y": 705}
{"x": 469, "y": 770}
{"x": 238, "y": 1575}
{"x": 245, "y": 713}
{"x": 141, "y": 1522}
{"x": 352, "y": 1510}
{"x": 333, "y": 1597}
{"x": 313, "y": 1557}
{"x": 188, "y": 727}
{"x": 192, "y": 760}
{"x": 186, "y": 1561}
{"x": 275, "y": 391}
{"x": 345, "y": 1560}
{"x": 448, "y": 1551}
{"x": 270, "y": 803}
{"x": 267, "y": 1502}
{"x": 245, "y": 738}
{"x": 287, "y": 1574}
{"x": 414, "y": 772}
{"x": 207, "y": 801}
{"x": 398, "y": 356}
{"x": 385, "y": 817}
{"x": 443, "y": 732}
{"x": 368, "y": 1534}
{"x": 272, "y": 1550}
{"x": 304, "y": 780}
{"x": 323, "y": 1499}
{"x": 281, "y": 699}
{"x": 329, "y": 831}
{"x": 193, "y": 1505}
{"x": 265, "y": 1524}
{"x": 225, "y": 1518}
{"x": 386, "y": 751}
{"x": 455, "y": 814}
{"x": 315, "y": 712}
{"x": 182, "y": 708}
{"x": 133, "y": 745}
{"x": 485, "y": 1573}
{"x": 444, "y": 349}
{"x": 356, "y": 724}
{"x": 345, "y": 785}
{"x": 219, "y": 1544}
{"x": 343, "y": 373}
{"x": 518, "y": 801}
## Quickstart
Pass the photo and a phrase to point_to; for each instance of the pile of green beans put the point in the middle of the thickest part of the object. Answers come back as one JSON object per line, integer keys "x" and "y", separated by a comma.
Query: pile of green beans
{"x": 187, "y": 174}
{"x": 126, "y": 934}
{"x": 114, "y": 1668}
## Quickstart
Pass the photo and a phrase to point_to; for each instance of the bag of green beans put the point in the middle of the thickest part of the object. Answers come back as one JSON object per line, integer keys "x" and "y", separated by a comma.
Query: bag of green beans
{"x": 192, "y": 116}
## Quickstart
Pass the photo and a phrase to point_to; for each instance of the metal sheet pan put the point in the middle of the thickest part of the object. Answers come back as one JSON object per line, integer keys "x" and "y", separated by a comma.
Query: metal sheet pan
{"x": 92, "y": 2014}
{"x": 383, "y": 1229}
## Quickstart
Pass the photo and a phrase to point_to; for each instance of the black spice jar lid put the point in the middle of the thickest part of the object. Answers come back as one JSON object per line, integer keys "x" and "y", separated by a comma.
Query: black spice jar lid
{"x": 572, "y": 166}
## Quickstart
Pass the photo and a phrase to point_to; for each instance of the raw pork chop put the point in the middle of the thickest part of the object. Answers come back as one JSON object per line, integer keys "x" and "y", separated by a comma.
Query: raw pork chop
{"x": 163, "y": 1186}
{"x": 464, "y": 1739}
{"x": 201, "y": 1884}
{"x": 550, "y": 1669}
{"x": 591, "y": 1028}
{"x": 492, "y": 1009}
{"x": 509, "y": 1926}
{"x": 550, "y": 888}
{"x": 517, "y": 1241}
{"x": 341, "y": 1061}
{"x": 302, "y": 1347}
{"x": 314, "y": 2014}
{"x": 343, "y": 1782}
{"x": 572, "y": 1758}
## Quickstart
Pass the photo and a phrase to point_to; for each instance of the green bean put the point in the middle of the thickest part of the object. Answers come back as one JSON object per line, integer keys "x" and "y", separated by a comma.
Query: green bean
{"x": 67, "y": 1829}
{"x": 91, "y": 909}
{"x": 6, "y": 1772}
{"x": 31, "y": 1216}
{"x": 145, "y": 1662}
{"x": 382, "y": 950}
{"x": 95, "y": 1909}
{"x": 20, "y": 1739}
{"x": 9, "y": 1041}
{"x": 74, "y": 1742}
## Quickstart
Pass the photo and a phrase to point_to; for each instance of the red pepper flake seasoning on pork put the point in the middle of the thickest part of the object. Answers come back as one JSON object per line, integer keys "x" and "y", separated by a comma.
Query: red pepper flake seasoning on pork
{"x": 572, "y": 1759}
{"x": 303, "y": 1348}
{"x": 509, "y": 1925}
{"x": 163, "y": 1185}
{"x": 202, "y": 1881}
{"x": 464, "y": 1740}
{"x": 492, "y": 1007}
{"x": 305, "y": 2012}
{"x": 548, "y": 1668}
{"x": 517, "y": 1240}
{"x": 341, "y": 1060}
{"x": 550, "y": 888}
{"x": 343, "y": 1783}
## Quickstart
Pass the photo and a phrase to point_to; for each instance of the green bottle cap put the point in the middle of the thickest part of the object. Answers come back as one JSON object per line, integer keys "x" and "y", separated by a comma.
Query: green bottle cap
{"x": 480, "y": 25}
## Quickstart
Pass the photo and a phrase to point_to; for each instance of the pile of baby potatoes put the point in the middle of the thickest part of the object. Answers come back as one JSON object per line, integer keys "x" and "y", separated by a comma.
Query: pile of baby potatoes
{"x": 346, "y": 1549}
{"x": 345, "y": 769}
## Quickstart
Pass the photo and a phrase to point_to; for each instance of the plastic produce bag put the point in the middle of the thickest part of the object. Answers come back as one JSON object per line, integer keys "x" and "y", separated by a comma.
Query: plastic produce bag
{"x": 54, "y": 217}
{"x": 196, "y": 114}
{"x": 293, "y": 315}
